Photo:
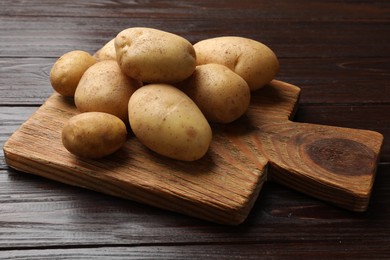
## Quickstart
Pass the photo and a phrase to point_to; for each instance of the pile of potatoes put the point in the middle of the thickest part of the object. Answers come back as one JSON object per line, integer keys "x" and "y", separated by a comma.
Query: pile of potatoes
{"x": 165, "y": 89}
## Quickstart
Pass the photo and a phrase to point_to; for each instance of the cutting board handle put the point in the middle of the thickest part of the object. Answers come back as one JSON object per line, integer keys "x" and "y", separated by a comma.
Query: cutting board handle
{"x": 334, "y": 164}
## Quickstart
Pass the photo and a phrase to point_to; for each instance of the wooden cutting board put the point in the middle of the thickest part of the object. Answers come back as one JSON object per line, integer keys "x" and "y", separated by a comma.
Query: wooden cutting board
{"x": 334, "y": 164}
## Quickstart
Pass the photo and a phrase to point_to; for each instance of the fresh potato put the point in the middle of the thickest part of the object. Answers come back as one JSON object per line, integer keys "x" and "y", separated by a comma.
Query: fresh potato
{"x": 94, "y": 134}
{"x": 256, "y": 63}
{"x": 168, "y": 122}
{"x": 68, "y": 70}
{"x": 221, "y": 94}
{"x": 107, "y": 52}
{"x": 154, "y": 56}
{"x": 105, "y": 88}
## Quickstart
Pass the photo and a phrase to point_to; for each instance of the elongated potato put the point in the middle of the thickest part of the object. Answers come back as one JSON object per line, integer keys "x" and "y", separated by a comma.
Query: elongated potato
{"x": 256, "y": 63}
{"x": 94, "y": 134}
{"x": 154, "y": 56}
{"x": 168, "y": 122}
{"x": 68, "y": 70}
{"x": 105, "y": 88}
{"x": 221, "y": 94}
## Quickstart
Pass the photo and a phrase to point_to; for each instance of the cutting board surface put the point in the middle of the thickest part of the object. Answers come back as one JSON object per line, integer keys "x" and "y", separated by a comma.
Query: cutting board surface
{"x": 334, "y": 164}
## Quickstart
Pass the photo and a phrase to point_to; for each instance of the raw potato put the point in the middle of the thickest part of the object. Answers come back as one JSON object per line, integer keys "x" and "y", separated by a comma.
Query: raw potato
{"x": 68, "y": 70}
{"x": 253, "y": 61}
{"x": 168, "y": 122}
{"x": 222, "y": 95}
{"x": 107, "y": 52}
{"x": 105, "y": 88}
{"x": 94, "y": 134}
{"x": 154, "y": 56}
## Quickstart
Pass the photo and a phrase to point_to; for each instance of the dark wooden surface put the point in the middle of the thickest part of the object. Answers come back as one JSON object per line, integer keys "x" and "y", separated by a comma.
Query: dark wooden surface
{"x": 337, "y": 51}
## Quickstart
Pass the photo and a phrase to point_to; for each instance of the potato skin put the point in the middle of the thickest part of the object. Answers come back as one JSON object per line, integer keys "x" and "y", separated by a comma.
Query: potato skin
{"x": 94, "y": 134}
{"x": 107, "y": 52}
{"x": 105, "y": 88}
{"x": 68, "y": 70}
{"x": 256, "y": 63}
{"x": 154, "y": 56}
{"x": 222, "y": 95}
{"x": 168, "y": 122}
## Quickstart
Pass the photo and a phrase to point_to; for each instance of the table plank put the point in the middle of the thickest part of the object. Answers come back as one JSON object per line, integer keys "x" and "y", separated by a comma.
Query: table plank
{"x": 53, "y": 36}
{"x": 40, "y": 213}
{"x": 25, "y": 81}
{"x": 284, "y": 9}
{"x": 336, "y": 51}
{"x": 11, "y": 119}
{"x": 337, "y": 249}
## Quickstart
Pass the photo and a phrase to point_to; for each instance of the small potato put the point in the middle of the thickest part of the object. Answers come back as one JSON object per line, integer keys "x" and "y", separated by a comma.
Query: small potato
{"x": 94, "y": 134}
{"x": 154, "y": 56}
{"x": 68, "y": 70}
{"x": 105, "y": 88}
{"x": 222, "y": 95}
{"x": 107, "y": 52}
{"x": 253, "y": 61}
{"x": 168, "y": 122}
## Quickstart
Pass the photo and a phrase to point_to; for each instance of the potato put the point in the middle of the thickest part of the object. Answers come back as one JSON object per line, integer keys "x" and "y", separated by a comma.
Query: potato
{"x": 68, "y": 70}
{"x": 222, "y": 95}
{"x": 154, "y": 56}
{"x": 253, "y": 61}
{"x": 168, "y": 122}
{"x": 105, "y": 88}
{"x": 94, "y": 134}
{"x": 107, "y": 52}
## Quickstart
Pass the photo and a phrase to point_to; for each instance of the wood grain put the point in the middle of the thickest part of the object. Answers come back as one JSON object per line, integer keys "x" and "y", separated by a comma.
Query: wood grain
{"x": 331, "y": 81}
{"x": 53, "y": 36}
{"x": 348, "y": 116}
{"x": 343, "y": 74}
{"x": 222, "y": 186}
{"x": 334, "y": 164}
{"x": 308, "y": 10}
{"x": 37, "y": 213}
{"x": 207, "y": 251}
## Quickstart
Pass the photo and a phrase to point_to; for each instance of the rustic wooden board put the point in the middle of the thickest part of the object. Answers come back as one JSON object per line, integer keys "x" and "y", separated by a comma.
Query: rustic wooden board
{"x": 334, "y": 164}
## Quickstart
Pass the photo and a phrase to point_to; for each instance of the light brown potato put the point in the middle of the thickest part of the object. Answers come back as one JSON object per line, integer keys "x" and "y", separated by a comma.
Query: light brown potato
{"x": 168, "y": 122}
{"x": 154, "y": 56}
{"x": 94, "y": 134}
{"x": 68, "y": 70}
{"x": 105, "y": 88}
{"x": 107, "y": 52}
{"x": 221, "y": 94}
{"x": 256, "y": 63}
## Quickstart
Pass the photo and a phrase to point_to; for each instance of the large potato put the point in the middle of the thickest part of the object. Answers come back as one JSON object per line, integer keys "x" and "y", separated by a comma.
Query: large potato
{"x": 154, "y": 56}
{"x": 94, "y": 134}
{"x": 68, "y": 70}
{"x": 222, "y": 95}
{"x": 107, "y": 52}
{"x": 105, "y": 88}
{"x": 168, "y": 122}
{"x": 256, "y": 63}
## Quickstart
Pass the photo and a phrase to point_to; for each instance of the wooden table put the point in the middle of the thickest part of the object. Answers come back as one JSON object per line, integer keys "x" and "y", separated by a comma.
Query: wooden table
{"x": 337, "y": 52}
